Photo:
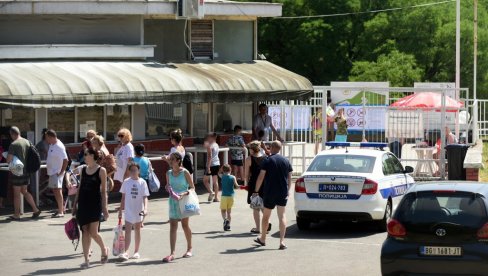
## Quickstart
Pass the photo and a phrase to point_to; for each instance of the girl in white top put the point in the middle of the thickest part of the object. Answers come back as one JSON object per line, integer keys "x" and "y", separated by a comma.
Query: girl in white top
{"x": 124, "y": 154}
{"x": 176, "y": 138}
{"x": 134, "y": 201}
{"x": 213, "y": 166}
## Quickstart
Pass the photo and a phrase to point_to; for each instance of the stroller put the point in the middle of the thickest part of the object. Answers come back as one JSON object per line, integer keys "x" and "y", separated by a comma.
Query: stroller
{"x": 71, "y": 194}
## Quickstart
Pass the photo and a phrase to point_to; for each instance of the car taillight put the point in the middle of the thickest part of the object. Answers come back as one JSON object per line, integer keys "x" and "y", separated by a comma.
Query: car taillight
{"x": 396, "y": 229}
{"x": 483, "y": 232}
{"x": 300, "y": 186}
{"x": 369, "y": 187}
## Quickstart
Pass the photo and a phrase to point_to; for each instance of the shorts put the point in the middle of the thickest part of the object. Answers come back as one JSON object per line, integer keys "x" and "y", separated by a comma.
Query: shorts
{"x": 226, "y": 202}
{"x": 237, "y": 163}
{"x": 55, "y": 181}
{"x": 271, "y": 203}
{"x": 214, "y": 170}
{"x": 340, "y": 138}
{"x": 19, "y": 180}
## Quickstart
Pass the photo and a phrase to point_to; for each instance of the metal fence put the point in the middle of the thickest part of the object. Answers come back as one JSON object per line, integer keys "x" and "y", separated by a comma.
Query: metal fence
{"x": 413, "y": 134}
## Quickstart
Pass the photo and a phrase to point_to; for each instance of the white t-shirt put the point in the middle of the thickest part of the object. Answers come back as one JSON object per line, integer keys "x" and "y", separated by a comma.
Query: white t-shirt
{"x": 55, "y": 156}
{"x": 123, "y": 154}
{"x": 135, "y": 191}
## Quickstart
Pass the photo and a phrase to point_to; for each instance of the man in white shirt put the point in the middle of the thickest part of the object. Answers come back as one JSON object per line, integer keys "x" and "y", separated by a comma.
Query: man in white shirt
{"x": 263, "y": 122}
{"x": 56, "y": 163}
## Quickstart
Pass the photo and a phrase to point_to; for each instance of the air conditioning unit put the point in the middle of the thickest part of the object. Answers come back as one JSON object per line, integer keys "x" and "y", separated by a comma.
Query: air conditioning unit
{"x": 191, "y": 9}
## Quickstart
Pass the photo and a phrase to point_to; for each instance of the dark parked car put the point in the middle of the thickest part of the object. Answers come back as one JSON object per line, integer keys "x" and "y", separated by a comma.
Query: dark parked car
{"x": 439, "y": 229}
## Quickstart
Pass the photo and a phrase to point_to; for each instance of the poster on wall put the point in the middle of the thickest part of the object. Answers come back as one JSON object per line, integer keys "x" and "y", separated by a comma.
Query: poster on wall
{"x": 295, "y": 117}
{"x": 404, "y": 124}
{"x": 91, "y": 125}
{"x": 351, "y": 93}
{"x": 368, "y": 118}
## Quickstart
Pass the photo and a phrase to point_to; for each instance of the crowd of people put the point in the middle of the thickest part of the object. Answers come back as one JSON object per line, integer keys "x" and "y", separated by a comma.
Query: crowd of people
{"x": 267, "y": 173}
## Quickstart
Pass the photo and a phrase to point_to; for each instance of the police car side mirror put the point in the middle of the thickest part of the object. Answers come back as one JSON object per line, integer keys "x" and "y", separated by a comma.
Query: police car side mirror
{"x": 408, "y": 169}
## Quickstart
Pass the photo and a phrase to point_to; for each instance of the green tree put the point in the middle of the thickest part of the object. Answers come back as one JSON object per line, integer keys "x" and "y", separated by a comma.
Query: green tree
{"x": 398, "y": 68}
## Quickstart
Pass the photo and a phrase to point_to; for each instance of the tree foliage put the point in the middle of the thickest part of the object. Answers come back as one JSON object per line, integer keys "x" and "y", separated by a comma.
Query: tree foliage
{"x": 413, "y": 44}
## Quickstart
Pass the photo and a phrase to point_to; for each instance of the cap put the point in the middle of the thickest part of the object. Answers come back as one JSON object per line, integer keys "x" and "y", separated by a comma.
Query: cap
{"x": 15, "y": 130}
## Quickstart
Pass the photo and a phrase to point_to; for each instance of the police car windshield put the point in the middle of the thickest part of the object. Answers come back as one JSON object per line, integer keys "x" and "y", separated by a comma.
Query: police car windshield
{"x": 430, "y": 208}
{"x": 343, "y": 163}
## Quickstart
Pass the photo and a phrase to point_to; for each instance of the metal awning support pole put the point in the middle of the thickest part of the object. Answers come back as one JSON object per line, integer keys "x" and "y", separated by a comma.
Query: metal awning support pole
{"x": 475, "y": 74}
{"x": 325, "y": 130}
{"x": 442, "y": 156}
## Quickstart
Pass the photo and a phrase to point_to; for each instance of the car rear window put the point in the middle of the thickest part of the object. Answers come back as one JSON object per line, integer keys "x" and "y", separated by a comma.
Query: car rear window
{"x": 461, "y": 208}
{"x": 342, "y": 163}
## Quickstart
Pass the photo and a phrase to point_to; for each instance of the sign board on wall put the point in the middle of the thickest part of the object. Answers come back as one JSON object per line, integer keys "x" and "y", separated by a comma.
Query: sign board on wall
{"x": 369, "y": 118}
{"x": 296, "y": 117}
{"x": 351, "y": 93}
{"x": 404, "y": 124}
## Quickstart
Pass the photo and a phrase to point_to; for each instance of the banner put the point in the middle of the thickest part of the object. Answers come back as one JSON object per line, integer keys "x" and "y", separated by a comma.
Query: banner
{"x": 368, "y": 117}
{"x": 404, "y": 124}
{"x": 296, "y": 117}
{"x": 351, "y": 93}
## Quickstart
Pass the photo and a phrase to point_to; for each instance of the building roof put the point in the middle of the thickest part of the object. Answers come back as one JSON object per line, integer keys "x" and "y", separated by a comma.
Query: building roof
{"x": 136, "y": 7}
{"x": 89, "y": 83}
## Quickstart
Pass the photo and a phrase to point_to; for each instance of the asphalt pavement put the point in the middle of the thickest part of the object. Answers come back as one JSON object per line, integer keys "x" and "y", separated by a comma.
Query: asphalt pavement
{"x": 40, "y": 247}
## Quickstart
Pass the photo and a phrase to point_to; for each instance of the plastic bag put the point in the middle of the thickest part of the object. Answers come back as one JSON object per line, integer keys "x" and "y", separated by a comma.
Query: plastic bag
{"x": 189, "y": 205}
{"x": 154, "y": 183}
{"x": 256, "y": 202}
{"x": 119, "y": 239}
{"x": 16, "y": 167}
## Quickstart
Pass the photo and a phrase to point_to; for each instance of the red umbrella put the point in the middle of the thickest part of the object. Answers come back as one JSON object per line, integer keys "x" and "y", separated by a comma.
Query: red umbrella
{"x": 428, "y": 100}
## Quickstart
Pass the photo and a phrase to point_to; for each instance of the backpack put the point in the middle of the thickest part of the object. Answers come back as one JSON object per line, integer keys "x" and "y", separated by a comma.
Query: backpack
{"x": 72, "y": 231}
{"x": 188, "y": 162}
{"x": 33, "y": 160}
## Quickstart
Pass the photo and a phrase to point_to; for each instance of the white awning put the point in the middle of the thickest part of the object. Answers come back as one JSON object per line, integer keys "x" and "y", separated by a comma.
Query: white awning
{"x": 91, "y": 83}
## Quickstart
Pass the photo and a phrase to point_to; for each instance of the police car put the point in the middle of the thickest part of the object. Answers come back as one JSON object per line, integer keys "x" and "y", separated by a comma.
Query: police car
{"x": 353, "y": 182}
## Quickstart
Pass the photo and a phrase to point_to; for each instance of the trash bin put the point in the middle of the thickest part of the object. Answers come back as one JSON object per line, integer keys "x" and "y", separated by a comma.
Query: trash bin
{"x": 455, "y": 161}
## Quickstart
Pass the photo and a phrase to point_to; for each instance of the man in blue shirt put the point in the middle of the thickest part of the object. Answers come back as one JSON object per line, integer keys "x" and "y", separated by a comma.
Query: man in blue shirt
{"x": 277, "y": 172}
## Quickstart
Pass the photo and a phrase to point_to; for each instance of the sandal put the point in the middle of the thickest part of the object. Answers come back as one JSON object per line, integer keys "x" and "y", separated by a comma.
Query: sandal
{"x": 36, "y": 214}
{"x": 104, "y": 258}
{"x": 282, "y": 247}
{"x": 188, "y": 254}
{"x": 12, "y": 218}
{"x": 255, "y": 231}
{"x": 168, "y": 259}
{"x": 258, "y": 241}
{"x": 85, "y": 265}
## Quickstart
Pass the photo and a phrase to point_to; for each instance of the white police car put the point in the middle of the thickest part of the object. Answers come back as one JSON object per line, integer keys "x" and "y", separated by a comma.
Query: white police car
{"x": 353, "y": 183}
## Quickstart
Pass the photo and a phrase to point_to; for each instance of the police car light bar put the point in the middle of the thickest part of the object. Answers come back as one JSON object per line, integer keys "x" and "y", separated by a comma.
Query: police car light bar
{"x": 357, "y": 144}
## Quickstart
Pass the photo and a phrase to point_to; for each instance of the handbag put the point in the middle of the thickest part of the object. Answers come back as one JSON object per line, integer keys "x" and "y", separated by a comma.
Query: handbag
{"x": 189, "y": 205}
{"x": 72, "y": 231}
{"x": 154, "y": 183}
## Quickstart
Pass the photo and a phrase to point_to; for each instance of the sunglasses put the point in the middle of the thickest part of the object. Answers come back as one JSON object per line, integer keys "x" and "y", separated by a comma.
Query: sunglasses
{"x": 121, "y": 135}
{"x": 86, "y": 154}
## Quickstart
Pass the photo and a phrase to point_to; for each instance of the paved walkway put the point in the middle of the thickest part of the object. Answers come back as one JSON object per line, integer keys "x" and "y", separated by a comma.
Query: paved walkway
{"x": 42, "y": 248}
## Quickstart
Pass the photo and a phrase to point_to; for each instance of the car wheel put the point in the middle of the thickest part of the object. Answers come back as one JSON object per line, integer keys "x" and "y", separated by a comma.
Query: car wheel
{"x": 303, "y": 224}
{"x": 382, "y": 224}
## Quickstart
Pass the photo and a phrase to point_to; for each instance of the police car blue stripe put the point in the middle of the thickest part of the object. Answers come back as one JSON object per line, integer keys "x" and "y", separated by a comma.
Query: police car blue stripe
{"x": 394, "y": 191}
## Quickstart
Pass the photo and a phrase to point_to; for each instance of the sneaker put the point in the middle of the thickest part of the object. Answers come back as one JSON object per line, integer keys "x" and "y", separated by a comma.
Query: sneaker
{"x": 123, "y": 257}
{"x": 210, "y": 197}
{"x": 136, "y": 256}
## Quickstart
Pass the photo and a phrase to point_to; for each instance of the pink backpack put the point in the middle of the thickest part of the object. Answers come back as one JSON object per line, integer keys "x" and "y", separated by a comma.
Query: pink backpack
{"x": 72, "y": 231}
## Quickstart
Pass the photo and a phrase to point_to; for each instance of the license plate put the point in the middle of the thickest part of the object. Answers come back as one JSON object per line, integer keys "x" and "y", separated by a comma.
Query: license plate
{"x": 336, "y": 188}
{"x": 440, "y": 251}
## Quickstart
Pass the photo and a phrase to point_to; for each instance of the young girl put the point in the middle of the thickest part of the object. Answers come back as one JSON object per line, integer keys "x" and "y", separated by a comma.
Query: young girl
{"x": 341, "y": 121}
{"x": 144, "y": 163}
{"x": 178, "y": 182}
{"x": 213, "y": 166}
{"x": 134, "y": 201}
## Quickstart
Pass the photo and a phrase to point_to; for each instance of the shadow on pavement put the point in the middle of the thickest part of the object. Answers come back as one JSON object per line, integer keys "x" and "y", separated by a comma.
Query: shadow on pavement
{"x": 141, "y": 263}
{"x": 52, "y": 258}
{"x": 253, "y": 249}
{"x": 324, "y": 230}
{"x": 229, "y": 235}
{"x": 55, "y": 271}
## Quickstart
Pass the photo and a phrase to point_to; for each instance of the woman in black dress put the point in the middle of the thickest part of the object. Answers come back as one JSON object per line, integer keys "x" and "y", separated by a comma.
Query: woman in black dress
{"x": 252, "y": 170}
{"x": 92, "y": 202}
